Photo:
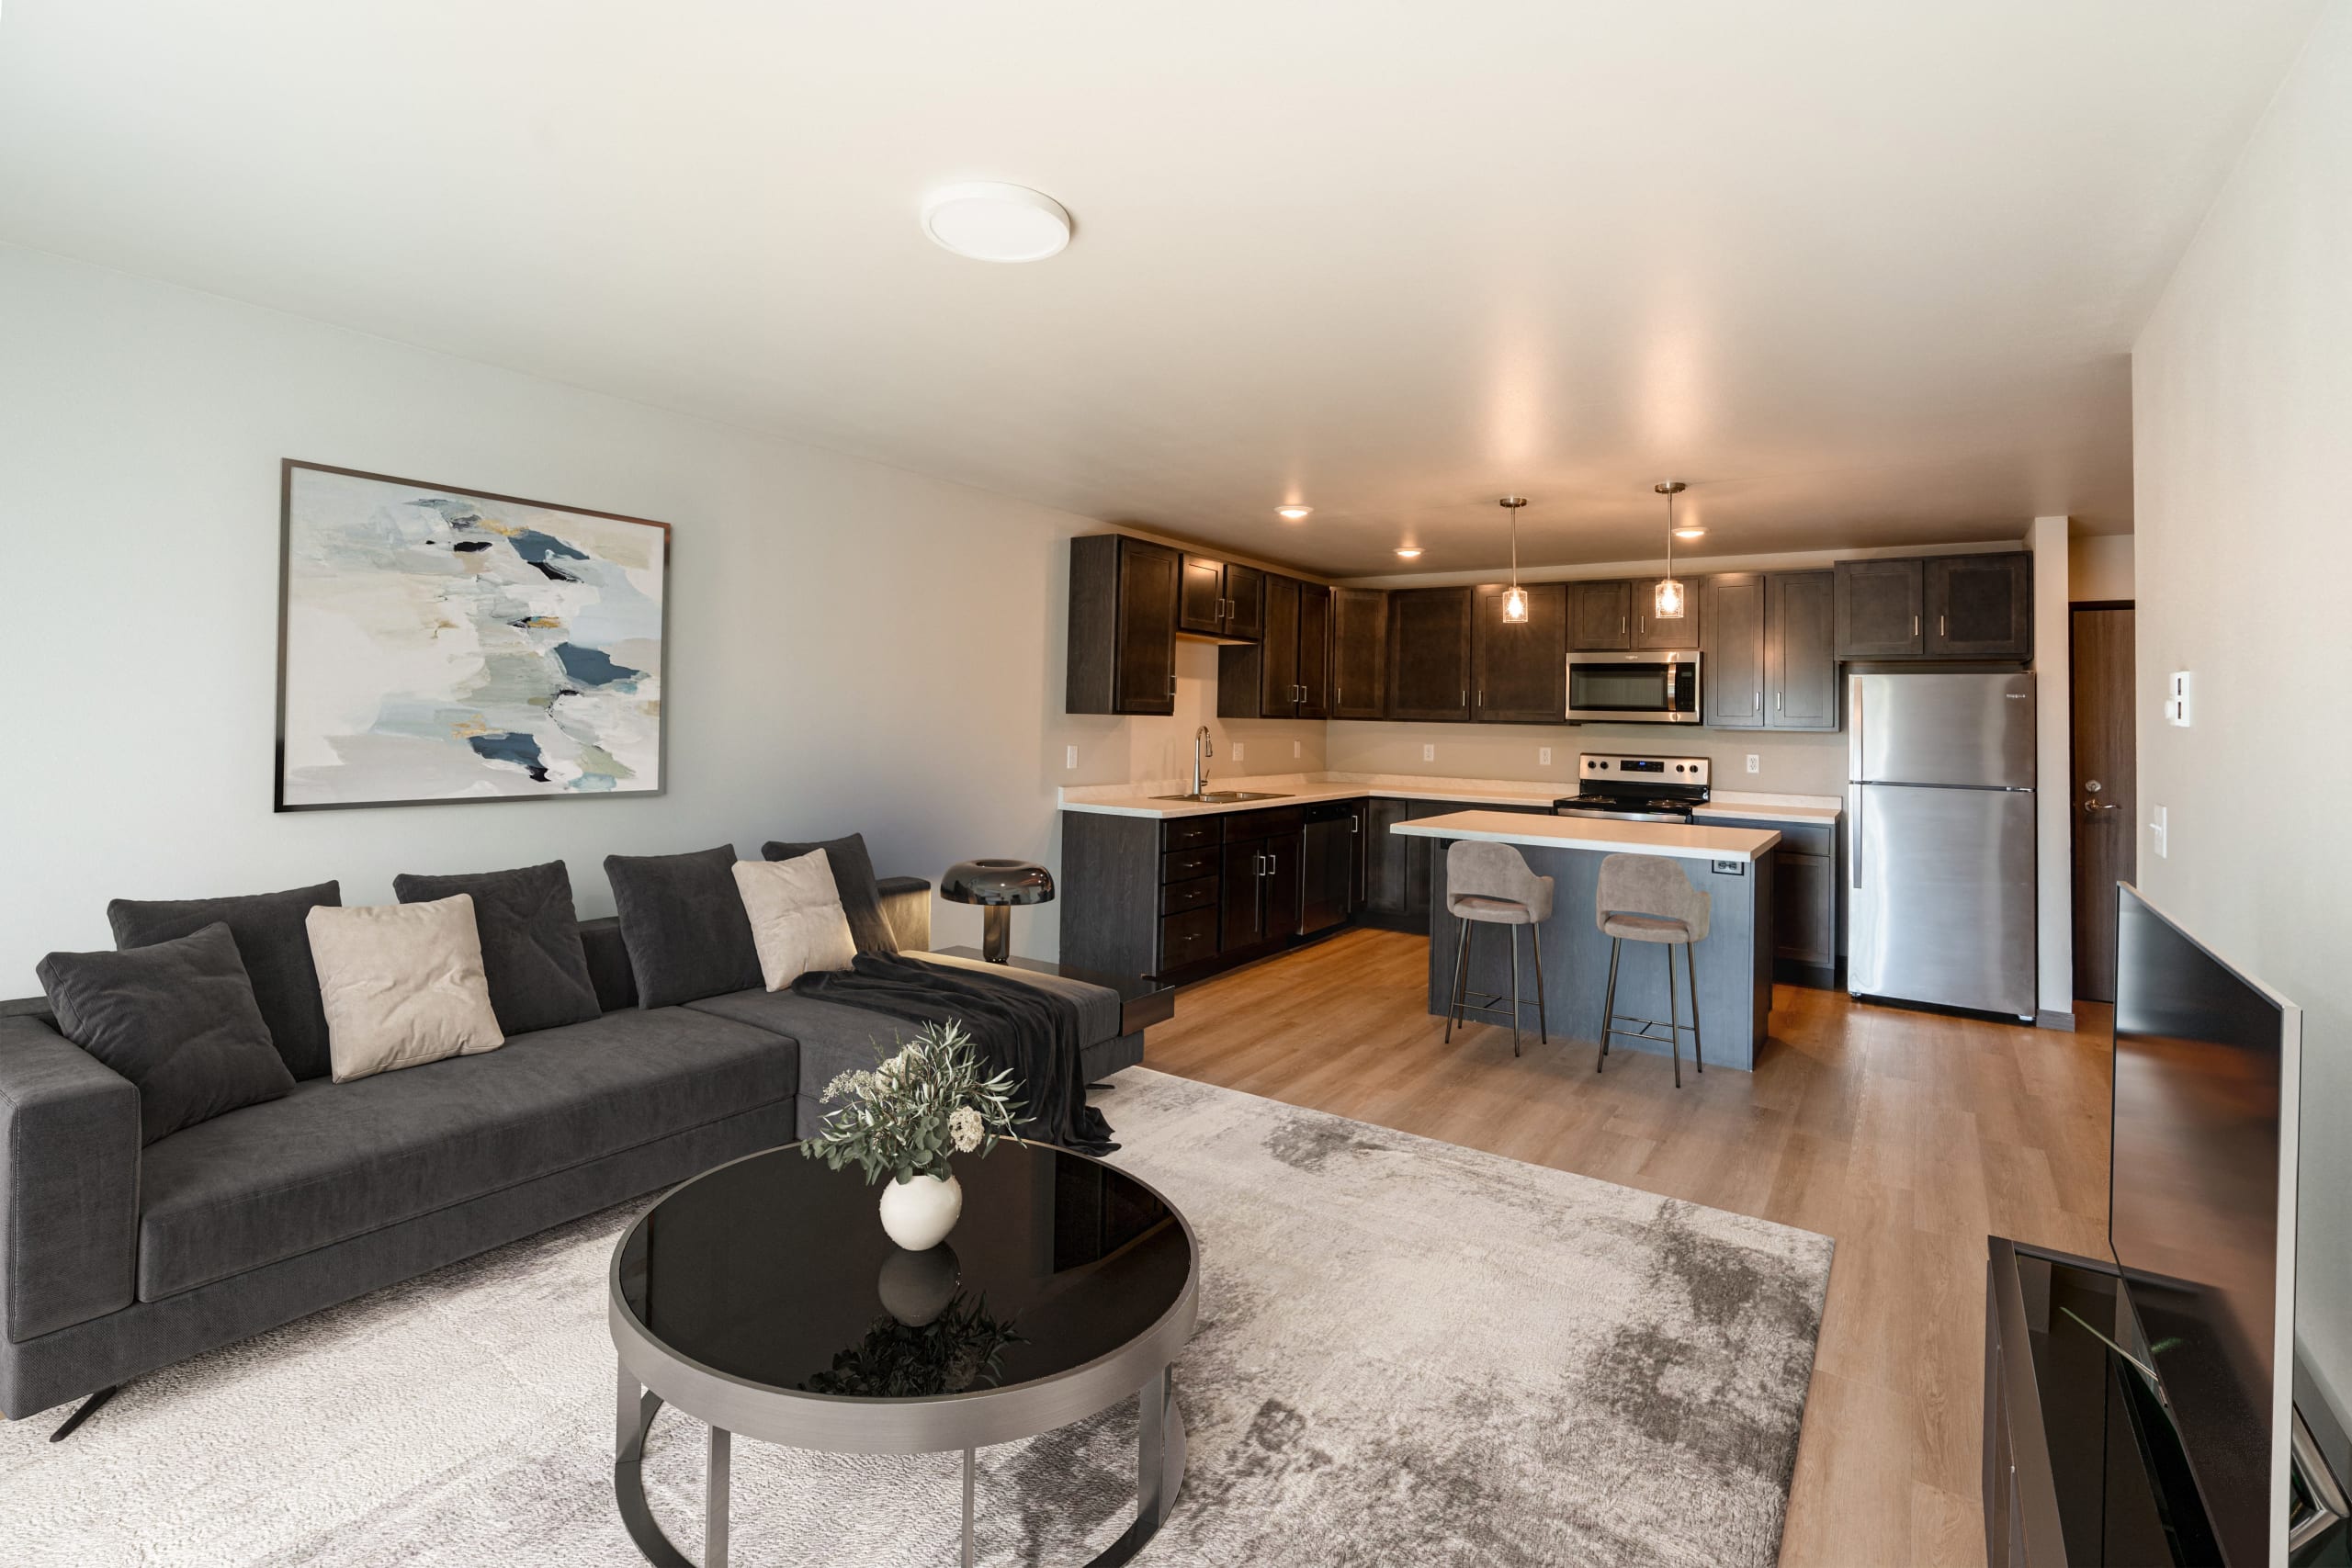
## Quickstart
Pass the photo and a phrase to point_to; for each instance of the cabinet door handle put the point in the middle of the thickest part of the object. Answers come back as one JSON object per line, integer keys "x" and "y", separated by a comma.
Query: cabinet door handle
{"x": 1915, "y": 626}
{"x": 1940, "y": 625}
{"x": 1171, "y": 685}
{"x": 1620, "y": 626}
{"x": 1777, "y": 706}
{"x": 1758, "y": 706}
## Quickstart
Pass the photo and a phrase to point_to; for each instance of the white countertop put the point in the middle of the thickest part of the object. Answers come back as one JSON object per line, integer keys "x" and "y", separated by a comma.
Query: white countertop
{"x": 1305, "y": 789}
{"x": 1595, "y": 833}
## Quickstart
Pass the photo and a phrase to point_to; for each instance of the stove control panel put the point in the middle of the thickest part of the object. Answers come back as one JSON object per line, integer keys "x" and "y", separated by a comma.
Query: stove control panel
{"x": 1605, "y": 768}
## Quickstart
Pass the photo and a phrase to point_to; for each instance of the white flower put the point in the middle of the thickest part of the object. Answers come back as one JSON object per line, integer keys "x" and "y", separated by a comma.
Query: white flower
{"x": 963, "y": 1126}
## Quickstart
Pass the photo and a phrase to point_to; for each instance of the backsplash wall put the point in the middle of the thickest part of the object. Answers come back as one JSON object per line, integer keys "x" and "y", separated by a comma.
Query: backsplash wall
{"x": 1787, "y": 763}
{"x": 1135, "y": 750}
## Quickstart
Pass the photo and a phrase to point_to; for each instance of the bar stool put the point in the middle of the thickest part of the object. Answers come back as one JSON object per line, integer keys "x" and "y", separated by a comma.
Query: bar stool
{"x": 1647, "y": 898}
{"x": 1490, "y": 884}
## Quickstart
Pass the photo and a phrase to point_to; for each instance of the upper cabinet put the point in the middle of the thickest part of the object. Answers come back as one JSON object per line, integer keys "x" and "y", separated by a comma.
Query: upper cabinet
{"x": 1519, "y": 670}
{"x": 1429, "y": 654}
{"x": 1314, "y": 651}
{"x": 1652, "y": 634}
{"x": 1221, "y": 599}
{"x": 1731, "y": 672}
{"x": 1359, "y": 653}
{"x": 1286, "y": 673}
{"x": 1124, "y": 596}
{"x": 1601, "y": 616}
{"x": 1770, "y": 662}
{"x": 1977, "y": 606}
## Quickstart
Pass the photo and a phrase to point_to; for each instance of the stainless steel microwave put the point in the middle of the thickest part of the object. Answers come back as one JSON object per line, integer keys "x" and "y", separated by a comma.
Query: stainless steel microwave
{"x": 1633, "y": 688}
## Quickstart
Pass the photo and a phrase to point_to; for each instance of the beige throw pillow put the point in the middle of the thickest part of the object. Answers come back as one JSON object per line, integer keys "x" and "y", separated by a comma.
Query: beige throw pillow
{"x": 403, "y": 984}
{"x": 798, "y": 923}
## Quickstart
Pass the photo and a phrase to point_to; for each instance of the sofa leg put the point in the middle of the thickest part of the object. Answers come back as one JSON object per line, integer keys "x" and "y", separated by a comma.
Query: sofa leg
{"x": 82, "y": 1413}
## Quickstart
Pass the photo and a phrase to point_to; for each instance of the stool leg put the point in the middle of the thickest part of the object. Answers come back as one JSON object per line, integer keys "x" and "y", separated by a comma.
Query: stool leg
{"x": 1535, "y": 946}
{"x": 1698, "y": 1042}
{"x": 1609, "y": 1002}
{"x": 1514, "y": 931}
{"x": 1673, "y": 1016}
{"x": 1461, "y": 960}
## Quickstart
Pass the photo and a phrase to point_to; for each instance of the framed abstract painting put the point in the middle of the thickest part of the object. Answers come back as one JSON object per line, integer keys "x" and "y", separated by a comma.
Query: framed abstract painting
{"x": 445, "y": 645}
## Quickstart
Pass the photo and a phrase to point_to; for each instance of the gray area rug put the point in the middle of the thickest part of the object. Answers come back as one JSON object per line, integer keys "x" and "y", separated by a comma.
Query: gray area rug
{"x": 1409, "y": 1353}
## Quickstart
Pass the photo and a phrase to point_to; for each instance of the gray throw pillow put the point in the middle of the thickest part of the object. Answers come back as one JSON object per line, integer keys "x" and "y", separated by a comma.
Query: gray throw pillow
{"x": 177, "y": 1018}
{"x": 854, "y": 878}
{"x": 683, "y": 920}
{"x": 275, "y": 944}
{"x": 530, "y": 941}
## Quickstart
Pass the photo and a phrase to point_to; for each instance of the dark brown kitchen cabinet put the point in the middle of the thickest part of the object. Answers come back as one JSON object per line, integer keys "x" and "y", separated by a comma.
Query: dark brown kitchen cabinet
{"x": 1359, "y": 653}
{"x": 1731, "y": 674}
{"x": 1265, "y": 871}
{"x": 1879, "y": 605}
{"x": 1601, "y": 616}
{"x": 1384, "y": 857}
{"x": 1653, "y": 635}
{"x": 1220, "y": 599}
{"x": 1124, "y": 594}
{"x": 1287, "y": 672}
{"x": 1519, "y": 671}
{"x": 1799, "y": 650}
{"x": 1979, "y": 606}
{"x": 1429, "y": 654}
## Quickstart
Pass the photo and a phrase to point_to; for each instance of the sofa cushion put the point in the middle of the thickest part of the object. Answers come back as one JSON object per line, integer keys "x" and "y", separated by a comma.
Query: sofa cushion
{"x": 177, "y": 1018}
{"x": 402, "y": 986}
{"x": 530, "y": 941}
{"x": 796, "y": 921}
{"x": 852, "y": 871}
{"x": 687, "y": 933}
{"x": 274, "y": 946}
{"x": 331, "y": 1161}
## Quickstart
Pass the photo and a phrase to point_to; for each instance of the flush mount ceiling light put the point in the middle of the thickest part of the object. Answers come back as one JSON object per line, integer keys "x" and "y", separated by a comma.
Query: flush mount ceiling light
{"x": 1293, "y": 513}
{"x": 1408, "y": 552}
{"x": 993, "y": 222}
{"x": 1688, "y": 532}
{"x": 1667, "y": 602}
{"x": 1514, "y": 601}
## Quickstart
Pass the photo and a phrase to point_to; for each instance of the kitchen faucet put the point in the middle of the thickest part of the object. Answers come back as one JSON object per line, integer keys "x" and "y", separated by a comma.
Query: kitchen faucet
{"x": 1202, "y": 752}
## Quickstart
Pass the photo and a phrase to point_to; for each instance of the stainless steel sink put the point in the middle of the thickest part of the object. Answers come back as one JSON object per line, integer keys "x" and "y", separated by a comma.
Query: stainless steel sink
{"x": 1220, "y": 796}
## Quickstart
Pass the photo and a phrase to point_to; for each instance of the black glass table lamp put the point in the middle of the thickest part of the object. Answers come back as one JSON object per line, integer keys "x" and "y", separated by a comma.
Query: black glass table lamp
{"x": 996, "y": 886}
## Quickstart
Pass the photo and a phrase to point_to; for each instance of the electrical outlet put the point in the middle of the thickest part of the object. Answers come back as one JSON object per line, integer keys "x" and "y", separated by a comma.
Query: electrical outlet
{"x": 1429, "y": 753}
{"x": 1755, "y": 763}
{"x": 1069, "y": 757}
{"x": 2159, "y": 834}
{"x": 1543, "y": 756}
{"x": 1236, "y": 751}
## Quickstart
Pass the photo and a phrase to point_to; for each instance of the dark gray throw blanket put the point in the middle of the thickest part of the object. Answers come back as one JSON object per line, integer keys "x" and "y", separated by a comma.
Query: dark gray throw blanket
{"x": 1033, "y": 1034}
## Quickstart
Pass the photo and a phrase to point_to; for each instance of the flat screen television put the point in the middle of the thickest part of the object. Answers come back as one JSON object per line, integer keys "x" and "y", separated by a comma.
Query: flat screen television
{"x": 2201, "y": 1211}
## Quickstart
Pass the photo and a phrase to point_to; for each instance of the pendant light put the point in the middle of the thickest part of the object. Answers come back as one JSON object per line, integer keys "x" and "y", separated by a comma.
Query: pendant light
{"x": 1667, "y": 602}
{"x": 1514, "y": 601}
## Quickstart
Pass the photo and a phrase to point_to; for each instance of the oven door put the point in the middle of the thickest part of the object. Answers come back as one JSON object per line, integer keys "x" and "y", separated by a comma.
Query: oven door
{"x": 1635, "y": 688}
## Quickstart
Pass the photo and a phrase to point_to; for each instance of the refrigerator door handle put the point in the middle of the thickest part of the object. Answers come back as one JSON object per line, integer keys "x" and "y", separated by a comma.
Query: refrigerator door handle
{"x": 1854, "y": 742}
{"x": 1854, "y": 841}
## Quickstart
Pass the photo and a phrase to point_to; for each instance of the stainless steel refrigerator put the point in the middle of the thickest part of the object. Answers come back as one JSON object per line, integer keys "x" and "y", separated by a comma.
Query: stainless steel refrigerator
{"x": 1940, "y": 840}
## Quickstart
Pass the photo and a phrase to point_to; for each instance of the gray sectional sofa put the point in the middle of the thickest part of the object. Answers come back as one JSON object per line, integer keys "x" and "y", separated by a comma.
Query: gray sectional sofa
{"x": 117, "y": 1260}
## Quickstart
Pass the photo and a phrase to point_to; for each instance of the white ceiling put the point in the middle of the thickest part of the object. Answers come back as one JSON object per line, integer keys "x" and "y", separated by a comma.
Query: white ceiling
{"x": 1863, "y": 274}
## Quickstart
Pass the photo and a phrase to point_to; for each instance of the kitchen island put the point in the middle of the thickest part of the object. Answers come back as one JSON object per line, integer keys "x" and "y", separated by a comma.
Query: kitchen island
{"x": 1734, "y": 865}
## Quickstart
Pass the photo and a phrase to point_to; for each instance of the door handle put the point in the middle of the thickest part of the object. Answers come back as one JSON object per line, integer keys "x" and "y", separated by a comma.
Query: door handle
{"x": 1915, "y": 626}
{"x": 2094, "y": 808}
{"x": 1940, "y": 625}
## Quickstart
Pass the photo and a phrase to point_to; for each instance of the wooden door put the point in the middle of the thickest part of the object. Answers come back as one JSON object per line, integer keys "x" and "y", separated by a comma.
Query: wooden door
{"x": 1979, "y": 606}
{"x": 1242, "y": 923}
{"x": 1650, "y": 634}
{"x": 1278, "y": 670}
{"x": 1879, "y": 605}
{"x": 1359, "y": 653}
{"x": 1429, "y": 654}
{"x": 1314, "y": 651}
{"x": 1245, "y": 602}
{"x": 1601, "y": 616}
{"x": 1519, "y": 671}
{"x": 1384, "y": 855}
{"x": 2106, "y": 783}
{"x": 1801, "y": 650}
{"x": 1201, "y": 606}
{"x": 1146, "y": 657}
{"x": 1731, "y": 670}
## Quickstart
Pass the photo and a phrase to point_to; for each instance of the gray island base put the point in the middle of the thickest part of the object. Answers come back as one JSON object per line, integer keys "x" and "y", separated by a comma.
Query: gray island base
{"x": 1734, "y": 964}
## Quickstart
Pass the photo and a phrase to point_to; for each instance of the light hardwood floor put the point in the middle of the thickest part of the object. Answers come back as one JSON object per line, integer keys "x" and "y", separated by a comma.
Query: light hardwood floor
{"x": 1907, "y": 1136}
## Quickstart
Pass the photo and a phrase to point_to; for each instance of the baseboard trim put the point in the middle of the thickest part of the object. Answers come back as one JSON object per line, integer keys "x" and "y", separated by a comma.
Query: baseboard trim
{"x": 2050, "y": 1018}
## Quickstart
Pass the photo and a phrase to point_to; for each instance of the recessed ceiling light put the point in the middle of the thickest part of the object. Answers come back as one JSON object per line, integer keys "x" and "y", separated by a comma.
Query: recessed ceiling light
{"x": 1291, "y": 514}
{"x": 1690, "y": 533}
{"x": 1410, "y": 552}
{"x": 996, "y": 222}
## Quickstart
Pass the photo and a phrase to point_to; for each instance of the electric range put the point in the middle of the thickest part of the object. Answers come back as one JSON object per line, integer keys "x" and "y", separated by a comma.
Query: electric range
{"x": 1637, "y": 789}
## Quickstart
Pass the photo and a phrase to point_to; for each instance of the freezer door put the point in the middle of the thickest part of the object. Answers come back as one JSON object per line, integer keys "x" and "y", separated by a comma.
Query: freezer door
{"x": 1942, "y": 896}
{"x": 1940, "y": 729}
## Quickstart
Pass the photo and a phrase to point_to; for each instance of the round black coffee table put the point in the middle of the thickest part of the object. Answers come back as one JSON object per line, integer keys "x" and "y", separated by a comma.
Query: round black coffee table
{"x": 763, "y": 1298}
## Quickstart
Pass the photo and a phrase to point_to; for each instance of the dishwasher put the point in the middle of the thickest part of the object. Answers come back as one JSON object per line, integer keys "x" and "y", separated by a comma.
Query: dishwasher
{"x": 1334, "y": 839}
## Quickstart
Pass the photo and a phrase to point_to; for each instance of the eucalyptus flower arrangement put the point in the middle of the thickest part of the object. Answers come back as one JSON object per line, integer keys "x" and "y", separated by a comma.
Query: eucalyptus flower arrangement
{"x": 913, "y": 1109}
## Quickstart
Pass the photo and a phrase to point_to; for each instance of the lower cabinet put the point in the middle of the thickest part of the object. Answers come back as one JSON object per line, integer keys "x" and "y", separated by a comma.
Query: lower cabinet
{"x": 1804, "y": 898}
{"x": 1398, "y": 869}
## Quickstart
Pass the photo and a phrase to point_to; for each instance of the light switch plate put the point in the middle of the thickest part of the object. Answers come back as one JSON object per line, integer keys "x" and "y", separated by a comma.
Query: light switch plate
{"x": 1069, "y": 757}
{"x": 1293, "y": 748}
{"x": 2159, "y": 835}
{"x": 2176, "y": 700}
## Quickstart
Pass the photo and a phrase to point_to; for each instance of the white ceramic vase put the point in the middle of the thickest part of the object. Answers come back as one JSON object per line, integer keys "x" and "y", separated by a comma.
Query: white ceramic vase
{"x": 919, "y": 1213}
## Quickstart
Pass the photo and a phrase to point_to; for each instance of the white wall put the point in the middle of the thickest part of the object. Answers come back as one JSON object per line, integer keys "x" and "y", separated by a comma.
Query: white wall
{"x": 2054, "y": 769}
{"x": 2098, "y": 566}
{"x": 1787, "y": 763}
{"x": 853, "y": 647}
{"x": 2241, "y": 415}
